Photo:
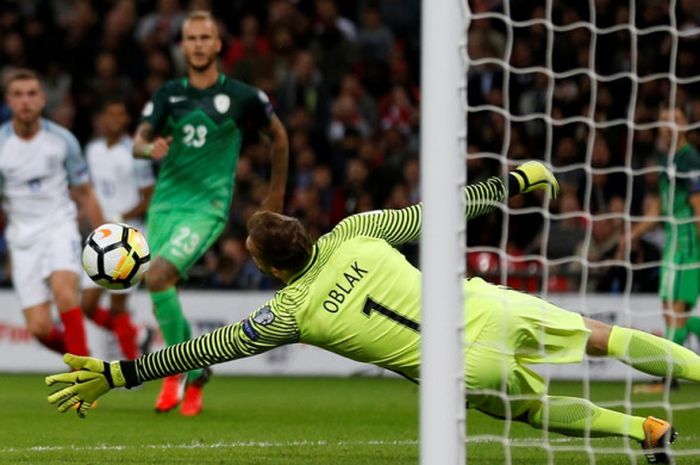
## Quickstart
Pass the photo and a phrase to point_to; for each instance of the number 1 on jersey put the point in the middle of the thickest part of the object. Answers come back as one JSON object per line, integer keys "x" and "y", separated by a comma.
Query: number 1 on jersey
{"x": 389, "y": 313}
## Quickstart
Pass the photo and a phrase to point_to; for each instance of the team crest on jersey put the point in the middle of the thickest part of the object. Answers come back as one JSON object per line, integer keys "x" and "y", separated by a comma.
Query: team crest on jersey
{"x": 222, "y": 103}
{"x": 264, "y": 316}
{"x": 35, "y": 184}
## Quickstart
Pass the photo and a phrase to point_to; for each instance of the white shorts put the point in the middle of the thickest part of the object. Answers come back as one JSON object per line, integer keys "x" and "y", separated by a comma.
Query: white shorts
{"x": 31, "y": 266}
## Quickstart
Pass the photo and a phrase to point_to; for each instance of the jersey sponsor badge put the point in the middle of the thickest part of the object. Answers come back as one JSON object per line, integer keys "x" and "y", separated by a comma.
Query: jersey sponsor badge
{"x": 222, "y": 103}
{"x": 264, "y": 316}
{"x": 147, "y": 109}
{"x": 266, "y": 101}
{"x": 249, "y": 330}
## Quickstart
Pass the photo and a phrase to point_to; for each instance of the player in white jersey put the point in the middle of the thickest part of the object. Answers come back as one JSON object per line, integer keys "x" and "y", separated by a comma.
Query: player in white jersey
{"x": 41, "y": 168}
{"x": 124, "y": 186}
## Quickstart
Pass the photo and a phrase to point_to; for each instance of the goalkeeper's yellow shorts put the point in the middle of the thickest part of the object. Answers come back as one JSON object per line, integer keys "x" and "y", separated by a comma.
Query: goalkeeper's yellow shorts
{"x": 507, "y": 330}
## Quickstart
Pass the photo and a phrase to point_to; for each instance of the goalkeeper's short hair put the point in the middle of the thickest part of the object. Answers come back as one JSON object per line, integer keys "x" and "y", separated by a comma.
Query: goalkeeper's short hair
{"x": 281, "y": 241}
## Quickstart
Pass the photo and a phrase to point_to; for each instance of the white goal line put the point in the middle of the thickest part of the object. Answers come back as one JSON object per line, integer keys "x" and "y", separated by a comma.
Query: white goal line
{"x": 534, "y": 441}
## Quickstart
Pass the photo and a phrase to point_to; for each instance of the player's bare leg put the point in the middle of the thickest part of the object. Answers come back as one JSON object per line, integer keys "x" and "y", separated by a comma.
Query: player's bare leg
{"x": 676, "y": 324}
{"x": 64, "y": 286}
{"x": 676, "y": 319}
{"x": 161, "y": 278}
{"x": 41, "y": 326}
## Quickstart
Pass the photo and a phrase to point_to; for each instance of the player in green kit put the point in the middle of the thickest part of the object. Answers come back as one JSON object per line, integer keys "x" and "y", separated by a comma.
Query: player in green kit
{"x": 352, "y": 293}
{"x": 679, "y": 199}
{"x": 194, "y": 126}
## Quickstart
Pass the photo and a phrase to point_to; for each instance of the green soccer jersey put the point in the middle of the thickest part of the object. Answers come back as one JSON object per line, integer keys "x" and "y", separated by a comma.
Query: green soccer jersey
{"x": 206, "y": 127}
{"x": 681, "y": 243}
{"x": 357, "y": 297}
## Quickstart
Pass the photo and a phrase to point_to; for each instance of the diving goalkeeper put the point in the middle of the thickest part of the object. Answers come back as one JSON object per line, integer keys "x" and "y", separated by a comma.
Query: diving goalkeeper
{"x": 354, "y": 294}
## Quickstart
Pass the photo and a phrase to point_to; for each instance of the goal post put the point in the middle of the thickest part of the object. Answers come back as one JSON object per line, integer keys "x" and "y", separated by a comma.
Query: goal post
{"x": 442, "y": 402}
{"x": 578, "y": 86}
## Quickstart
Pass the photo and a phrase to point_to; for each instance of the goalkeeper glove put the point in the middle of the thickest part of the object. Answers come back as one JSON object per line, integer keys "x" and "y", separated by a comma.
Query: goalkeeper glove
{"x": 92, "y": 379}
{"x": 533, "y": 175}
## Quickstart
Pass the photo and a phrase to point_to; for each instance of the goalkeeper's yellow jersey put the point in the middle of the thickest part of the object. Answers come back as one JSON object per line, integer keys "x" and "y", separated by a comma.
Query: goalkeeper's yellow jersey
{"x": 357, "y": 296}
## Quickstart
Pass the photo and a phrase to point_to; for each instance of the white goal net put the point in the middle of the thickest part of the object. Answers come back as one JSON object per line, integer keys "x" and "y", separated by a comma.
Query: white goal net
{"x": 580, "y": 85}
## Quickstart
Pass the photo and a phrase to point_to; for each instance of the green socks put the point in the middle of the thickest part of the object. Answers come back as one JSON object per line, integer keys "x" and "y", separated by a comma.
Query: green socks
{"x": 580, "y": 417}
{"x": 653, "y": 355}
{"x": 693, "y": 325}
{"x": 677, "y": 335}
{"x": 168, "y": 312}
{"x": 172, "y": 322}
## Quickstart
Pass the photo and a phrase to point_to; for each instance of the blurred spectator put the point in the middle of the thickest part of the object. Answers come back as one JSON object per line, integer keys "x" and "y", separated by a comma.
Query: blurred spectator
{"x": 161, "y": 27}
{"x": 302, "y": 88}
{"x": 352, "y": 192}
{"x": 346, "y": 129}
{"x": 411, "y": 179}
{"x": 602, "y": 246}
{"x": 366, "y": 105}
{"x": 328, "y": 18}
{"x": 244, "y": 54}
{"x": 304, "y": 167}
{"x": 567, "y": 232}
{"x": 375, "y": 40}
{"x": 332, "y": 41}
{"x": 57, "y": 85}
{"x": 345, "y": 76}
{"x": 397, "y": 111}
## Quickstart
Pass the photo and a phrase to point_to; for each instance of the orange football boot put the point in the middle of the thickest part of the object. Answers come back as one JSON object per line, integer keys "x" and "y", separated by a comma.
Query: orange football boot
{"x": 658, "y": 435}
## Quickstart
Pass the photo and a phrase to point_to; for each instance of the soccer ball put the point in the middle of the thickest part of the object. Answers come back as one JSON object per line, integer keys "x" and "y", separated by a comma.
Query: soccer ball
{"x": 116, "y": 256}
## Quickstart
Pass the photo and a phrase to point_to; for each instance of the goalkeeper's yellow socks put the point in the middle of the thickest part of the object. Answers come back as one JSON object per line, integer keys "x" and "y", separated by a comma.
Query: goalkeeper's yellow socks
{"x": 580, "y": 417}
{"x": 677, "y": 335}
{"x": 652, "y": 354}
{"x": 169, "y": 315}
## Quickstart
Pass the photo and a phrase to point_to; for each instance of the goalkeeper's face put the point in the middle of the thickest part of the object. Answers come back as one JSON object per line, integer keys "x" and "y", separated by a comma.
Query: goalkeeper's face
{"x": 257, "y": 259}
{"x": 200, "y": 43}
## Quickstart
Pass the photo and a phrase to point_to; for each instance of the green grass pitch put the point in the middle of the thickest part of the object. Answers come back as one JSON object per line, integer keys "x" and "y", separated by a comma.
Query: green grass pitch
{"x": 292, "y": 421}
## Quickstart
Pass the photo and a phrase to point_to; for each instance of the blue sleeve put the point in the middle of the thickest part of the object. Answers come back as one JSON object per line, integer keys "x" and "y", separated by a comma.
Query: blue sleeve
{"x": 143, "y": 172}
{"x": 5, "y": 133}
{"x": 74, "y": 163}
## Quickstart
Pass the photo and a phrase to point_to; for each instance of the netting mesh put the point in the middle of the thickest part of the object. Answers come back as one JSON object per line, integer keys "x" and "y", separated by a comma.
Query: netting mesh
{"x": 580, "y": 85}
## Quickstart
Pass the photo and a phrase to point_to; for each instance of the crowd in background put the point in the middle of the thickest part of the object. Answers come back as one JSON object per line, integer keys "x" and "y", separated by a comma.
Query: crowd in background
{"x": 344, "y": 78}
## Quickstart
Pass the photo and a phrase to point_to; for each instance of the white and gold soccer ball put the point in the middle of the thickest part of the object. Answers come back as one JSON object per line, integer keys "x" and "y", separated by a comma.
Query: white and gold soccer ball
{"x": 116, "y": 256}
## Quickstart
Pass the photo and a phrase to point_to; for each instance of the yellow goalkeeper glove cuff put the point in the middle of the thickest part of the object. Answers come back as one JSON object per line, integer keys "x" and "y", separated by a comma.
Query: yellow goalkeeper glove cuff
{"x": 533, "y": 175}
{"x": 91, "y": 379}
